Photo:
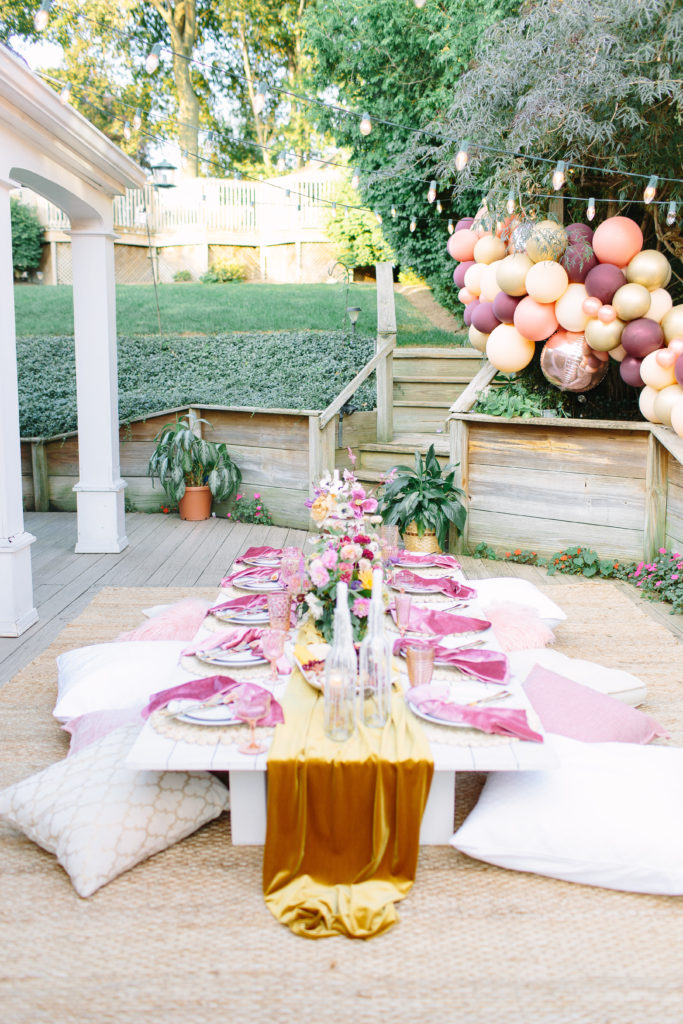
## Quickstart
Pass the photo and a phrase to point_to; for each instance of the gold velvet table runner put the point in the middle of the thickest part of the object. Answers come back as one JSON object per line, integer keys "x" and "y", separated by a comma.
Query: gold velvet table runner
{"x": 343, "y": 825}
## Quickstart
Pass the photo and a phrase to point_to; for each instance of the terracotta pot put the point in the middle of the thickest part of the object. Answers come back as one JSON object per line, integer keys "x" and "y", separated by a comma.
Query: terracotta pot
{"x": 195, "y": 504}
{"x": 427, "y": 544}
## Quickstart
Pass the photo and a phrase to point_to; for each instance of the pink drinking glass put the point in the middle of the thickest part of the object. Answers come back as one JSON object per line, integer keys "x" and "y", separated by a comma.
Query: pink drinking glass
{"x": 403, "y": 603}
{"x": 290, "y": 566}
{"x": 251, "y": 709}
{"x": 273, "y": 647}
{"x": 279, "y": 610}
{"x": 388, "y": 542}
{"x": 420, "y": 662}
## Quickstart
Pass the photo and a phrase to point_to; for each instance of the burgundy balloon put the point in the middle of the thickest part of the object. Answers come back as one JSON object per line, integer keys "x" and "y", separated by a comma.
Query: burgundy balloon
{"x": 460, "y": 271}
{"x": 579, "y": 233}
{"x": 603, "y": 281}
{"x": 640, "y": 337}
{"x": 466, "y": 222}
{"x": 469, "y": 310}
{"x": 578, "y": 260}
{"x": 504, "y": 307}
{"x": 484, "y": 319}
{"x": 629, "y": 368}
{"x": 678, "y": 370}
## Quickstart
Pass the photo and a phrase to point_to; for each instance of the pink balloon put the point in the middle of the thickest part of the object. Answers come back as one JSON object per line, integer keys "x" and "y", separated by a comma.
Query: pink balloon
{"x": 617, "y": 240}
{"x": 460, "y": 271}
{"x": 629, "y": 370}
{"x": 676, "y": 345}
{"x": 465, "y": 296}
{"x": 591, "y": 305}
{"x": 484, "y": 319}
{"x": 469, "y": 310}
{"x": 666, "y": 358}
{"x": 466, "y": 222}
{"x": 504, "y": 307}
{"x": 678, "y": 370}
{"x": 607, "y": 314}
{"x": 535, "y": 320}
{"x": 461, "y": 244}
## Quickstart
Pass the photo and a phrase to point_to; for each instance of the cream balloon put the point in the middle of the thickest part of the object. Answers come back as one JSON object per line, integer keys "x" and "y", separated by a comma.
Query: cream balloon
{"x": 547, "y": 241}
{"x": 508, "y": 350}
{"x": 489, "y": 249}
{"x": 473, "y": 278}
{"x": 672, "y": 323}
{"x": 511, "y": 273}
{"x": 604, "y": 337}
{"x": 569, "y": 309}
{"x": 665, "y": 401}
{"x": 617, "y": 353}
{"x": 650, "y": 268}
{"x": 654, "y": 375}
{"x": 660, "y": 304}
{"x": 646, "y": 402}
{"x": 488, "y": 281}
{"x": 677, "y": 418}
{"x": 546, "y": 281}
{"x": 477, "y": 339}
{"x": 631, "y": 301}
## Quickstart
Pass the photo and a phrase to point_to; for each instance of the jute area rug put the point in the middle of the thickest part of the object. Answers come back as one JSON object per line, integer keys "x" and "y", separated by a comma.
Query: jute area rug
{"x": 185, "y": 937}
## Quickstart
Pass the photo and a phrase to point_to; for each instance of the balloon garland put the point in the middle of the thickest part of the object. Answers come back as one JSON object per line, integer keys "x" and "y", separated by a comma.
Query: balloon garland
{"x": 588, "y": 295}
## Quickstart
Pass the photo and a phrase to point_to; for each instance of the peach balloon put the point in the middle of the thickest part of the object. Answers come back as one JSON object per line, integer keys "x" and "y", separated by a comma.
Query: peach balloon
{"x": 607, "y": 314}
{"x": 489, "y": 249}
{"x": 461, "y": 244}
{"x": 617, "y": 240}
{"x": 508, "y": 350}
{"x": 665, "y": 401}
{"x": 473, "y": 278}
{"x": 489, "y": 283}
{"x": 465, "y": 296}
{"x": 646, "y": 402}
{"x": 677, "y": 418}
{"x": 591, "y": 305}
{"x": 534, "y": 320}
{"x": 672, "y": 324}
{"x": 676, "y": 345}
{"x": 477, "y": 338}
{"x": 660, "y": 304}
{"x": 547, "y": 281}
{"x": 665, "y": 357}
{"x": 654, "y": 375}
{"x": 617, "y": 353}
{"x": 631, "y": 301}
{"x": 569, "y": 309}
{"x": 511, "y": 273}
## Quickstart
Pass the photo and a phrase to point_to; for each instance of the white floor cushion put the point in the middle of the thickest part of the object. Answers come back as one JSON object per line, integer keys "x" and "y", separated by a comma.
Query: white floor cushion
{"x": 610, "y": 816}
{"x": 613, "y": 681}
{"x": 506, "y": 588}
{"x": 100, "y": 818}
{"x": 117, "y": 675}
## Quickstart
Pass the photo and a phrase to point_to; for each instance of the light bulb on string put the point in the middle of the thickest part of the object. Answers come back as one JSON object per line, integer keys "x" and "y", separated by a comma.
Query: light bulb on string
{"x": 413, "y": 224}
{"x": 559, "y": 176}
{"x": 137, "y": 120}
{"x": 431, "y": 194}
{"x": 281, "y": 165}
{"x": 650, "y": 190}
{"x": 462, "y": 156}
{"x": 378, "y": 216}
{"x": 450, "y": 227}
{"x": 511, "y": 202}
{"x": 439, "y": 206}
{"x": 393, "y": 212}
{"x": 126, "y": 130}
{"x": 334, "y": 209}
{"x": 355, "y": 178}
{"x": 152, "y": 59}
{"x": 365, "y": 126}
{"x": 419, "y": 4}
{"x": 671, "y": 213}
{"x": 42, "y": 15}
{"x": 65, "y": 94}
{"x": 590, "y": 212}
{"x": 288, "y": 193}
{"x": 259, "y": 98}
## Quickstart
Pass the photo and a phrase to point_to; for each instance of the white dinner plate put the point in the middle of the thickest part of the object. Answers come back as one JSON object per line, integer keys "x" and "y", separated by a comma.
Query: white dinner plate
{"x": 218, "y": 714}
{"x": 313, "y": 679}
{"x": 263, "y": 562}
{"x": 437, "y": 721}
{"x": 244, "y": 618}
{"x": 258, "y": 586}
{"x": 405, "y": 563}
{"x": 412, "y": 588}
{"x": 231, "y": 659}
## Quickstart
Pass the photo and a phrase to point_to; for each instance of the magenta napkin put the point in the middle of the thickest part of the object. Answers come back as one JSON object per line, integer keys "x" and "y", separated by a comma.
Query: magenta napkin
{"x": 241, "y": 604}
{"x": 264, "y": 552}
{"x": 430, "y": 620}
{"x": 441, "y": 561}
{"x": 204, "y": 689}
{"x": 502, "y": 721}
{"x": 232, "y": 640}
{"x": 489, "y": 666}
{"x": 436, "y": 585}
{"x": 262, "y": 572}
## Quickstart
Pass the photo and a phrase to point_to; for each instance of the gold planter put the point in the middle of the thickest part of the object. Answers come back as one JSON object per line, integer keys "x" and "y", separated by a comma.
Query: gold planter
{"x": 427, "y": 544}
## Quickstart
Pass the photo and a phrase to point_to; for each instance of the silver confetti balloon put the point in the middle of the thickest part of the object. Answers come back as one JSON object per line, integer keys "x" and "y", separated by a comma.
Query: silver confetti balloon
{"x": 520, "y": 236}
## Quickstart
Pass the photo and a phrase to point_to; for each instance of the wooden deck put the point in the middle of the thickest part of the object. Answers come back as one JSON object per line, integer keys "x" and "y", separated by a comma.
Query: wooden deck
{"x": 164, "y": 551}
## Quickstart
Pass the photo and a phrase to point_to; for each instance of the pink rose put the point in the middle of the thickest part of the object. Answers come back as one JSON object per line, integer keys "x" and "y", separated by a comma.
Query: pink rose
{"x": 349, "y": 553}
{"x": 345, "y": 572}
{"x": 318, "y": 573}
{"x": 329, "y": 558}
{"x": 257, "y": 496}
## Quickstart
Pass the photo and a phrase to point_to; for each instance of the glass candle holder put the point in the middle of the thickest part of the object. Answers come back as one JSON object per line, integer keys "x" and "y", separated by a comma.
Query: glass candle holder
{"x": 420, "y": 662}
{"x": 279, "y": 610}
{"x": 388, "y": 542}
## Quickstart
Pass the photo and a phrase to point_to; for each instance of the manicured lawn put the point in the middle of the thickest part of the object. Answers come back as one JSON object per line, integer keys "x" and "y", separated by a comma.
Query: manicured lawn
{"x": 218, "y": 309}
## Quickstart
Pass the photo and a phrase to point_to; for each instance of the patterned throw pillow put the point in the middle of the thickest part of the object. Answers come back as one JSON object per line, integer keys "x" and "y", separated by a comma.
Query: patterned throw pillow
{"x": 100, "y": 818}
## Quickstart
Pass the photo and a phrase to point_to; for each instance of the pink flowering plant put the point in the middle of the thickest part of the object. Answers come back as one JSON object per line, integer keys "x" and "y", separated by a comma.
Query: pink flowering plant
{"x": 349, "y": 554}
{"x": 662, "y": 578}
{"x": 249, "y": 510}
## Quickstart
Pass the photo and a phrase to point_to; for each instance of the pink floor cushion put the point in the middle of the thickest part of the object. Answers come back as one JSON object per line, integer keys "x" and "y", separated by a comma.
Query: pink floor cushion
{"x": 179, "y": 621}
{"x": 517, "y": 627}
{"x": 87, "y": 729}
{"x": 580, "y": 713}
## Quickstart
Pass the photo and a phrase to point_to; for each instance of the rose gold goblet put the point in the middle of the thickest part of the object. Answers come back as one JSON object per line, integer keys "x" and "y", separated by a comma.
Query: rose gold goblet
{"x": 273, "y": 646}
{"x": 251, "y": 710}
{"x": 403, "y": 603}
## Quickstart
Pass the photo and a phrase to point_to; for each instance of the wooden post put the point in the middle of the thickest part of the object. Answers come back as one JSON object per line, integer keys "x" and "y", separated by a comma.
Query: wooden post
{"x": 194, "y": 417}
{"x": 41, "y": 493}
{"x": 321, "y": 449}
{"x": 654, "y": 532}
{"x": 459, "y": 453}
{"x": 386, "y": 331}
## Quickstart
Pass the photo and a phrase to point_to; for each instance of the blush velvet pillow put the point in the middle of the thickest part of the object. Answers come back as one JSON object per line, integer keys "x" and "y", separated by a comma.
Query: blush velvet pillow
{"x": 179, "y": 621}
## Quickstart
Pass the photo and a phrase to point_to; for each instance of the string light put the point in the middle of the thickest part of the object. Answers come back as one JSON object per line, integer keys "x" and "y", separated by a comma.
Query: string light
{"x": 365, "y": 126}
{"x": 590, "y": 212}
{"x": 431, "y": 194}
{"x": 650, "y": 190}
{"x": 439, "y": 206}
{"x": 334, "y": 209}
{"x": 419, "y": 4}
{"x": 450, "y": 227}
{"x": 378, "y": 216}
{"x": 462, "y": 156}
{"x": 413, "y": 224}
{"x": 65, "y": 94}
{"x": 152, "y": 59}
{"x": 259, "y": 98}
{"x": 126, "y": 130}
{"x": 393, "y": 212}
{"x": 42, "y": 15}
{"x": 559, "y": 177}
{"x": 671, "y": 213}
{"x": 355, "y": 178}
{"x": 511, "y": 202}
{"x": 281, "y": 165}
{"x": 137, "y": 120}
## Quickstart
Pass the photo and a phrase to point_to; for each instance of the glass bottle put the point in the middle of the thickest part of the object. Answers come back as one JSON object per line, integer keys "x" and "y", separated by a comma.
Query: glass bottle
{"x": 375, "y": 663}
{"x": 340, "y": 673}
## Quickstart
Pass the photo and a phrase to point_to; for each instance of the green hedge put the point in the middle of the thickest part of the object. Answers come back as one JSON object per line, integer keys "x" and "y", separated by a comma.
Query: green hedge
{"x": 286, "y": 370}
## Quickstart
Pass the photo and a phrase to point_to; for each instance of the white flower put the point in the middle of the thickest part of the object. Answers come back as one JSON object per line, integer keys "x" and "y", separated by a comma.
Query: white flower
{"x": 315, "y": 604}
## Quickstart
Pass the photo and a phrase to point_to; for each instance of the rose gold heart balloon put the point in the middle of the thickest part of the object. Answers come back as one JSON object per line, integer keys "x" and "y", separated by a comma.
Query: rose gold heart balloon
{"x": 607, "y": 314}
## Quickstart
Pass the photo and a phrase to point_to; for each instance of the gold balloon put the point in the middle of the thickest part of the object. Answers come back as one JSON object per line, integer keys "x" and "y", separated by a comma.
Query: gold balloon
{"x": 649, "y": 268}
{"x": 665, "y": 401}
{"x": 547, "y": 241}
{"x": 511, "y": 273}
{"x": 489, "y": 249}
{"x": 631, "y": 301}
{"x": 604, "y": 337}
{"x": 569, "y": 363}
{"x": 477, "y": 339}
{"x": 672, "y": 324}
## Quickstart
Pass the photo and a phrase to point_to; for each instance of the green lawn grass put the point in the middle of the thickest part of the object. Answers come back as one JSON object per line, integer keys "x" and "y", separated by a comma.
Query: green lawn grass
{"x": 222, "y": 308}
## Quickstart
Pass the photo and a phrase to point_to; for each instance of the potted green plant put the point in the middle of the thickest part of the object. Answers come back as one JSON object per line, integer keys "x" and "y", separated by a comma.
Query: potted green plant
{"x": 423, "y": 502}
{"x": 191, "y": 470}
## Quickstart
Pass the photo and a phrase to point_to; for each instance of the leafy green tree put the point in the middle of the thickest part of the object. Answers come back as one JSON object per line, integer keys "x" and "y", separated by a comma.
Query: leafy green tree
{"x": 27, "y": 237}
{"x": 356, "y": 233}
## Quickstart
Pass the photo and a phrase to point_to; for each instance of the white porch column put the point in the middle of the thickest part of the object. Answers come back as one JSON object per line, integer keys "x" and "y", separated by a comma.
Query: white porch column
{"x": 17, "y": 612}
{"x": 100, "y": 489}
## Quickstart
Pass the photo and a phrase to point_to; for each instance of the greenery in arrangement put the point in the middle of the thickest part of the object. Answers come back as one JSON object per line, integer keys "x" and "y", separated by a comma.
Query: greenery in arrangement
{"x": 181, "y": 459}
{"x": 224, "y": 271}
{"x": 426, "y": 495}
{"x": 249, "y": 510}
{"x": 27, "y": 237}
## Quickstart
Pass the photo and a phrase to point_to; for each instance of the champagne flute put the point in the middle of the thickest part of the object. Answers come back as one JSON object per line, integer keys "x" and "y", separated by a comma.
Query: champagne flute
{"x": 251, "y": 709}
{"x": 273, "y": 646}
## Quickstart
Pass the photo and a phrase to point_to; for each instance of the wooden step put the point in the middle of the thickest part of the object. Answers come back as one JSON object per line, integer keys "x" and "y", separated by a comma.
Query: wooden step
{"x": 437, "y": 362}
{"x": 416, "y": 390}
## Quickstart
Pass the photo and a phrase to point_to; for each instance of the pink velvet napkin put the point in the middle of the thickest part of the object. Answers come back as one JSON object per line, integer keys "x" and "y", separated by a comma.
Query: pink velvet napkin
{"x": 441, "y": 561}
{"x": 263, "y": 552}
{"x": 489, "y": 666}
{"x": 263, "y": 572}
{"x": 203, "y": 689}
{"x": 249, "y": 602}
{"x": 431, "y": 620}
{"x": 232, "y": 640}
{"x": 502, "y": 721}
{"x": 436, "y": 585}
